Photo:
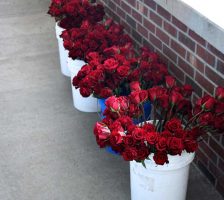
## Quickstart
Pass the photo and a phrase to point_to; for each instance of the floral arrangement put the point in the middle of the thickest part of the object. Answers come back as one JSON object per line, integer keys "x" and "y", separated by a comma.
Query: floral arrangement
{"x": 117, "y": 70}
{"x": 177, "y": 125}
{"x": 71, "y": 13}
{"x": 93, "y": 38}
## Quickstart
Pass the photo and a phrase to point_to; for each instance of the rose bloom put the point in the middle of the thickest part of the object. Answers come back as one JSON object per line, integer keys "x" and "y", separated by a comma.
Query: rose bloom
{"x": 161, "y": 144}
{"x": 175, "y": 145}
{"x": 151, "y": 137}
{"x": 219, "y": 93}
{"x": 130, "y": 153}
{"x": 135, "y": 86}
{"x": 160, "y": 158}
{"x": 206, "y": 103}
{"x": 138, "y": 133}
{"x": 173, "y": 125}
{"x": 190, "y": 145}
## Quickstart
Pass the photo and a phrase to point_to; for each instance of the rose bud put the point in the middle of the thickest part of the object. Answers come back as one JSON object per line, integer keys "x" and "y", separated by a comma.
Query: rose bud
{"x": 175, "y": 98}
{"x": 170, "y": 81}
{"x": 219, "y": 93}
{"x": 187, "y": 90}
{"x": 135, "y": 86}
{"x": 207, "y": 102}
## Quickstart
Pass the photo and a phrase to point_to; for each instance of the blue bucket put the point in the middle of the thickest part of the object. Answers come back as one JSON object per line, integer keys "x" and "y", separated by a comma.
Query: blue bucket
{"x": 147, "y": 110}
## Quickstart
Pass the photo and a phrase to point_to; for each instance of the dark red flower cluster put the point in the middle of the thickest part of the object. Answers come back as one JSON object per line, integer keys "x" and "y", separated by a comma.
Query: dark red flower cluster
{"x": 117, "y": 71}
{"x": 177, "y": 126}
{"x": 72, "y": 13}
{"x": 93, "y": 38}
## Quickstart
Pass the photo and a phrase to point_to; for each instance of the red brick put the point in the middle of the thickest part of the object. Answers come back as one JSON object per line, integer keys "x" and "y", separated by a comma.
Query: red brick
{"x": 178, "y": 48}
{"x": 208, "y": 151}
{"x": 193, "y": 60}
{"x": 142, "y": 30}
{"x": 155, "y": 41}
{"x": 186, "y": 67}
{"x": 118, "y": 2}
{"x": 121, "y": 13}
{"x": 126, "y": 26}
{"x": 170, "y": 29}
{"x": 170, "y": 54}
{"x": 220, "y": 66}
{"x": 216, "y": 147}
{"x": 205, "y": 55}
{"x": 177, "y": 72}
{"x": 216, "y": 52}
{"x": 201, "y": 156}
{"x": 149, "y": 26}
{"x": 147, "y": 44}
{"x": 163, "y": 36}
{"x": 163, "y": 13}
{"x": 126, "y": 7}
{"x": 154, "y": 17}
{"x": 142, "y": 9}
{"x": 215, "y": 170}
{"x": 150, "y": 3}
{"x": 179, "y": 24}
{"x": 188, "y": 42}
{"x": 221, "y": 164}
{"x": 197, "y": 38}
{"x": 206, "y": 172}
{"x": 131, "y": 21}
{"x": 213, "y": 76}
{"x": 137, "y": 16}
{"x": 205, "y": 83}
{"x": 132, "y": 2}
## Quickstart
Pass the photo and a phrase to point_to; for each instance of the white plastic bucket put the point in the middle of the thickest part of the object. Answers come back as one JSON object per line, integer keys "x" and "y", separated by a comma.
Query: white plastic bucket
{"x": 161, "y": 182}
{"x": 63, "y": 53}
{"x": 84, "y": 104}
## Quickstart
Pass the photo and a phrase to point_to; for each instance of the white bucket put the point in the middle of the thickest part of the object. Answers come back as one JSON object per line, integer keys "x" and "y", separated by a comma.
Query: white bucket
{"x": 84, "y": 104}
{"x": 63, "y": 53}
{"x": 161, "y": 182}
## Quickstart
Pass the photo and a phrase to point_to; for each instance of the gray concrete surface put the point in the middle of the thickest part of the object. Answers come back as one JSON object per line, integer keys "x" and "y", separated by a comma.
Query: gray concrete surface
{"x": 47, "y": 149}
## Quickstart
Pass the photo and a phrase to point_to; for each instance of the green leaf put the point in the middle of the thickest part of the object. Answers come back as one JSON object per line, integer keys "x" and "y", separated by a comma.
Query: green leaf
{"x": 143, "y": 163}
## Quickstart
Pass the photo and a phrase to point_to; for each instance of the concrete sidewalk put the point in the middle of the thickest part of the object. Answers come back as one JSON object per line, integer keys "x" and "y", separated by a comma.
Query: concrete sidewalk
{"x": 47, "y": 149}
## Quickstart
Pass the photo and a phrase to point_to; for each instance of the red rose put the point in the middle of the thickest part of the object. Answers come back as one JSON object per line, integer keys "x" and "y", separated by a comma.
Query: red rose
{"x": 160, "y": 158}
{"x": 156, "y": 92}
{"x": 110, "y": 65}
{"x": 148, "y": 127}
{"x": 129, "y": 140}
{"x": 219, "y": 93}
{"x": 194, "y": 133}
{"x": 206, "y": 119}
{"x": 123, "y": 70}
{"x": 143, "y": 152}
{"x": 116, "y": 138}
{"x": 106, "y": 92}
{"x": 219, "y": 123}
{"x": 130, "y": 154}
{"x": 163, "y": 101}
{"x": 175, "y": 98}
{"x": 180, "y": 133}
{"x": 134, "y": 75}
{"x": 173, "y": 125}
{"x": 113, "y": 104}
{"x": 170, "y": 81}
{"x": 206, "y": 103}
{"x": 102, "y": 133}
{"x": 175, "y": 145}
{"x": 219, "y": 107}
{"x": 138, "y": 133}
{"x": 125, "y": 121}
{"x": 190, "y": 145}
{"x": 161, "y": 144}
{"x": 166, "y": 134}
{"x": 151, "y": 137}
{"x": 85, "y": 92}
{"x": 138, "y": 97}
{"x": 135, "y": 86}
{"x": 187, "y": 90}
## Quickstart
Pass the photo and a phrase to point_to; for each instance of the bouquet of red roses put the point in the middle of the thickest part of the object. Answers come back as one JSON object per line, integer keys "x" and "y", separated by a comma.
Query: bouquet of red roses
{"x": 177, "y": 125}
{"x": 117, "y": 70}
{"x": 71, "y": 13}
{"x": 93, "y": 38}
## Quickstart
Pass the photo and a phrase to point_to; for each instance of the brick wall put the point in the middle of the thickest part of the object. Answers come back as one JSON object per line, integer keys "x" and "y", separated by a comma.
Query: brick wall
{"x": 189, "y": 57}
